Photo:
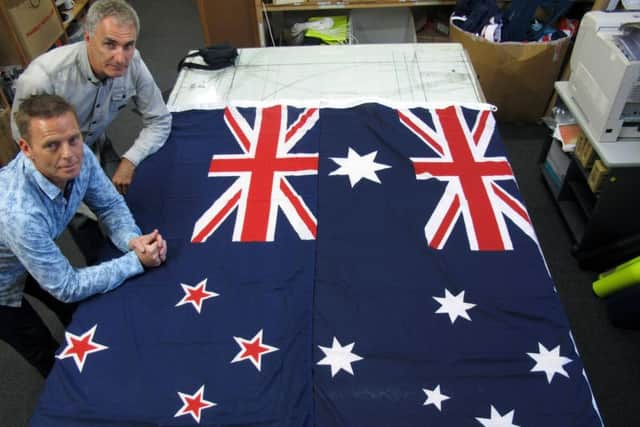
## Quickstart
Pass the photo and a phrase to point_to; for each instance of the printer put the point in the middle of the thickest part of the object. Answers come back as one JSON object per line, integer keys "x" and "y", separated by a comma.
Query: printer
{"x": 605, "y": 73}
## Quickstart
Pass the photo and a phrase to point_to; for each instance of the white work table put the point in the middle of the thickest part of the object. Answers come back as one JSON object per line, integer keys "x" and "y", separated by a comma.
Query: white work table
{"x": 403, "y": 75}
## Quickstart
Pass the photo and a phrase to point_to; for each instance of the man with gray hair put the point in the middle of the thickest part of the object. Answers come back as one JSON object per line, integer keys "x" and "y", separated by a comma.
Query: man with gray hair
{"x": 99, "y": 76}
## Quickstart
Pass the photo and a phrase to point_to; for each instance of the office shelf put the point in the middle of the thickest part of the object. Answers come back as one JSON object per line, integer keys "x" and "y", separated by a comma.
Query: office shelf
{"x": 583, "y": 195}
{"x": 574, "y": 217}
{"x": 605, "y": 226}
{"x": 79, "y": 8}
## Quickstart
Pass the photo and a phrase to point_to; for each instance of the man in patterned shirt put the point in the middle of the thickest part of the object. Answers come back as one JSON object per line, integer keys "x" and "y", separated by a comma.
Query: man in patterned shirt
{"x": 41, "y": 191}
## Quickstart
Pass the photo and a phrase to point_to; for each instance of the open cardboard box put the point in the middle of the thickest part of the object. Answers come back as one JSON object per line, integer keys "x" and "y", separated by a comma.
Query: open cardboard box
{"x": 516, "y": 77}
{"x": 8, "y": 148}
{"x": 35, "y": 25}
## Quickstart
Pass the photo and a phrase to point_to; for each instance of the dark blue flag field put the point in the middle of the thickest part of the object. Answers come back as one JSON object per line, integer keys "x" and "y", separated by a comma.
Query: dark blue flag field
{"x": 366, "y": 266}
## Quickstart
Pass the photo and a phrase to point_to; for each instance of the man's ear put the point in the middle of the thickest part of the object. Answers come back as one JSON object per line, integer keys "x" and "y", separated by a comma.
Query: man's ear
{"x": 25, "y": 147}
{"x": 86, "y": 37}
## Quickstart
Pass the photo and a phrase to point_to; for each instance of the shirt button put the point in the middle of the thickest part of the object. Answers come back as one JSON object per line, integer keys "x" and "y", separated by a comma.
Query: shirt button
{"x": 97, "y": 105}
{"x": 90, "y": 133}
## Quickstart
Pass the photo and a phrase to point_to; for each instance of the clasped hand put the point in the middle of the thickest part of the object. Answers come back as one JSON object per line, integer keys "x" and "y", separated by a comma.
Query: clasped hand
{"x": 151, "y": 248}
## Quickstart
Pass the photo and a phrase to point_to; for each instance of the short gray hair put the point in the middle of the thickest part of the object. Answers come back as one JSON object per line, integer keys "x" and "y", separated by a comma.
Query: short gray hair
{"x": 40, "y": 106}
{"x": 119, "y": 9}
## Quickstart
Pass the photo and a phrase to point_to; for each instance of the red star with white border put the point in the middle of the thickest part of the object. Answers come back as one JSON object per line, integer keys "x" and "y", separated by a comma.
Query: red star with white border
{"x": 194, "y": 295}
{"x": 193, "y": 404}
{"x": 253, "y": 350}
{"x": 78, "y": 347}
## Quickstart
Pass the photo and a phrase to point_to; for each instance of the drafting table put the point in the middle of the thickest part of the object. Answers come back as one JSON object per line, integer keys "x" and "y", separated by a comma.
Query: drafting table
{"x": 339, "y": 76}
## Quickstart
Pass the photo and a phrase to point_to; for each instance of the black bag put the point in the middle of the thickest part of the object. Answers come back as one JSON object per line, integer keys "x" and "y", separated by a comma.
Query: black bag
{"x": 215, "y": 57}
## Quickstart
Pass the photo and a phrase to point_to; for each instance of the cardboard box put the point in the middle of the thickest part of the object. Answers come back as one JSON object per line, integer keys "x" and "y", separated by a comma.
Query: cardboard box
{"x": 35, "y": 24}
{"x": 597, "y": 175}
{"x": 8, "y": 148}
{"x": 581, "y": 143}
{"x": 516, "y": 77}
{"x": 585, "y": 153}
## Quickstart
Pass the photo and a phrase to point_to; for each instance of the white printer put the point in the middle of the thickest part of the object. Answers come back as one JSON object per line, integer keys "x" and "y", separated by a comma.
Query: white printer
{"x": 605, "y": 73}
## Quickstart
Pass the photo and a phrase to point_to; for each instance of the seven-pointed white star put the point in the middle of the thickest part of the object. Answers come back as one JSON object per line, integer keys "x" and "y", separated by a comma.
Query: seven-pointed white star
{"x": 549, "y": 362}
{"x": 434, "y": 397}
{"x": 195, "y": 295}
{"x": 454, "y": 306}
{"x": 498, "y": 420}
{"x": 193, "y": 404}
{"x": 358, "y": 167}
{"x": 339, "y": 357}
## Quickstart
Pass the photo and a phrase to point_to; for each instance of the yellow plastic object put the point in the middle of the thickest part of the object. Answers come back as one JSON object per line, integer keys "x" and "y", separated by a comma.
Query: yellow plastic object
{"x": 338, "y": 34}
{"x": 621, "y": 277}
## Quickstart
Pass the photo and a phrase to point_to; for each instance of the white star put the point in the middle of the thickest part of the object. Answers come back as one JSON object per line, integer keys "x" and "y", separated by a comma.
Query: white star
{"x": 549, "y": 362}
{"x": 339, "y": 357}
{"x": 498, "y": 420}
{"x": 454, "y": 306}
{"x": 434, "y": 397}
{"x": 195, "y": 295}
{"x": 358, "y": 167}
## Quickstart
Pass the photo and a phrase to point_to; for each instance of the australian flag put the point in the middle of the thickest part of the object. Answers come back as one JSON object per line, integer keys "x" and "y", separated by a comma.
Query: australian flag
{"x": 367, "y": 266}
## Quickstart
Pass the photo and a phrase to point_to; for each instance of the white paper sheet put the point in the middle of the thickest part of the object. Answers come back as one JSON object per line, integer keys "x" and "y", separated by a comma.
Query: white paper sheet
{"x": 401, "y": 75}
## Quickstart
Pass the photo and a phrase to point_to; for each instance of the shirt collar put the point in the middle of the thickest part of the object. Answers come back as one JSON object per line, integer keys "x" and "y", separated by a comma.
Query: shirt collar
{"x": 85, "y": 67}
{"x": 48, "y": 187}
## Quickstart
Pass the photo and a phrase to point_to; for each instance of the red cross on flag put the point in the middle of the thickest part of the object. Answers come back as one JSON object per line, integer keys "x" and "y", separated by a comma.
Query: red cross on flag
{"x": 472, "y": 192}
{"x": 262, "y": 170}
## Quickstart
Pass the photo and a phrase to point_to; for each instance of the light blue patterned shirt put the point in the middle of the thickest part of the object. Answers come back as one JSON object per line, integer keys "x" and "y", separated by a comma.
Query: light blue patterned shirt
{"x": 65, "y": 71}
{"x": 34, "y": 212}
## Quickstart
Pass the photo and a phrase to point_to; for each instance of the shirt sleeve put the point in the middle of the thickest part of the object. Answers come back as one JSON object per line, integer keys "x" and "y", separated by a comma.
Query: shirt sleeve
{"x": 32, "y": 81}
{"x": 109, "y": 205}
{"x": 156, "y": 118}
{"x": 41, "y": 257}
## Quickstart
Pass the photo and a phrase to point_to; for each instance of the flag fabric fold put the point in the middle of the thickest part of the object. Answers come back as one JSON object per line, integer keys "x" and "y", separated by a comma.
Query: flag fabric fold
{"x": 327, "y": 267}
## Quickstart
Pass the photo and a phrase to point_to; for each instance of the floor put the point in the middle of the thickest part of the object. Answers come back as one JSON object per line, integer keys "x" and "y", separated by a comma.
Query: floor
{"x": 611, "y": 356}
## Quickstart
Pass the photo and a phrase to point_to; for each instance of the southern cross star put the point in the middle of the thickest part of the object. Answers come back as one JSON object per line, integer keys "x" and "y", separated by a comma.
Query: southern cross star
{"x": 454, "y": 306}
{"x": 435, "y": 397}
{"x": 498, "y": 420}
{"x": 253, "y": 350}
{"x": 195, "y": 295}
{"x": 549, "y": 361}
{"x": 79, "y": 346}
{"x": 193, "y": 404}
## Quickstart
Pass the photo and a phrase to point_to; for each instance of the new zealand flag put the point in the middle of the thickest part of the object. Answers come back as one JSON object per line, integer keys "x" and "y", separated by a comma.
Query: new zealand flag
{"x": 327, "y": 267}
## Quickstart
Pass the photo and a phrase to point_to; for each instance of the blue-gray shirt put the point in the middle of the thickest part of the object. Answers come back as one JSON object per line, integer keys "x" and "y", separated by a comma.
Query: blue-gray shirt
{"x": 65, "y": 71}
{"x": 34, "y": 212}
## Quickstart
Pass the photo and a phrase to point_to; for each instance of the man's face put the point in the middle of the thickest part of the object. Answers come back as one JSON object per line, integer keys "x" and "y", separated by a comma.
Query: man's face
{"x": 111, "y": 47}
{"x": 55, "y": 147}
